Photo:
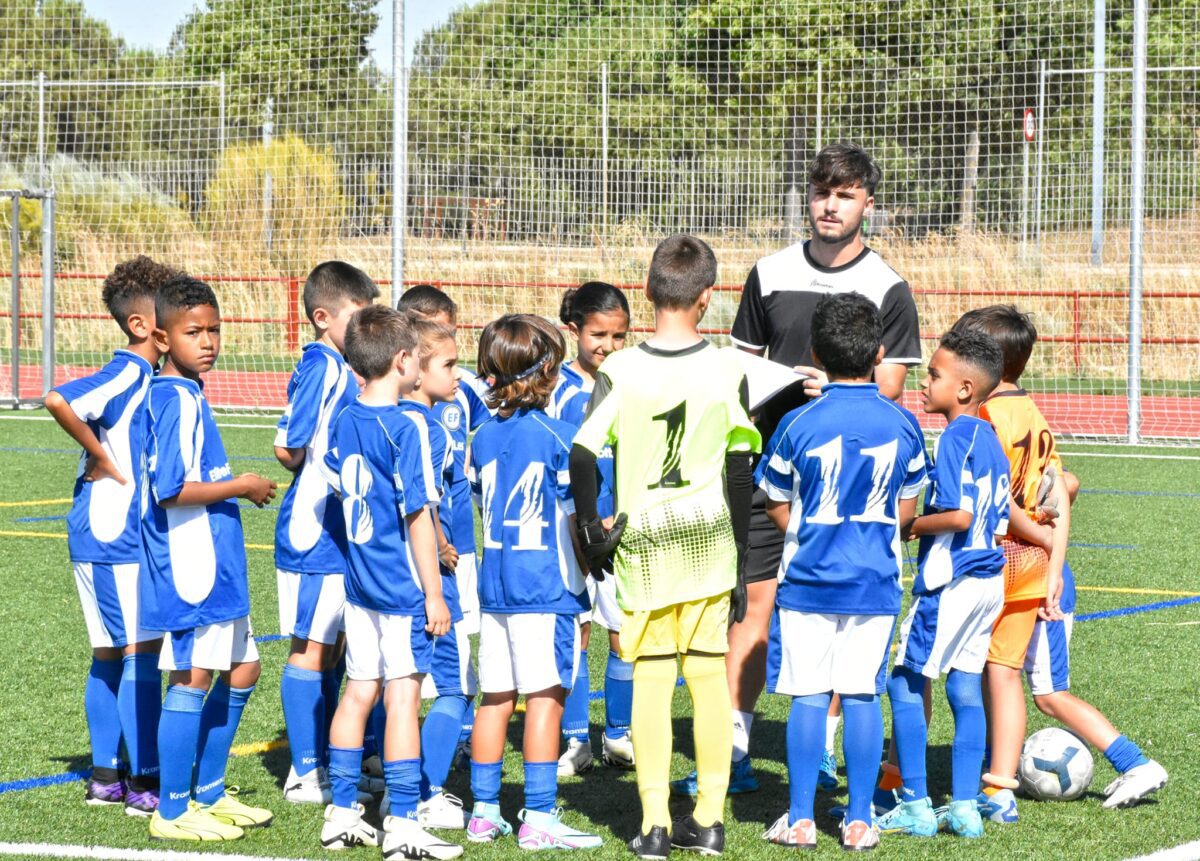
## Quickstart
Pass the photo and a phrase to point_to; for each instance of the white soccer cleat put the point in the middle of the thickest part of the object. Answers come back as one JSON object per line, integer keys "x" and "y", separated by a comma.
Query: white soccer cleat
{"x": 344, "y": 828}
{"x": 1134, "y": 785}
{"x": 405, "y": 838}
{"x": 443, "y": 810}
{"x": 577, "y": 759}
{"x": 306, "y": 789}
{"x": 618, "y": 752}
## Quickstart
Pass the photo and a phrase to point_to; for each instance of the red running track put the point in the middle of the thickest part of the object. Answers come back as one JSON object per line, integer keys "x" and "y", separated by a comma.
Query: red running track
{"x": 1068, "y": 414}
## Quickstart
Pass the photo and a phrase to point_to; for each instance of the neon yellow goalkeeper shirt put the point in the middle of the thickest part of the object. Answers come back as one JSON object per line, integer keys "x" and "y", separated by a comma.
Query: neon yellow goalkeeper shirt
{"x": 670, "y": 417}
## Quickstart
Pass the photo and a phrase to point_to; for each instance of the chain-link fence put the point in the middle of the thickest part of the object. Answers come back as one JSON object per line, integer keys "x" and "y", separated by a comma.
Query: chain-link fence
{"x": 551, "y": 142}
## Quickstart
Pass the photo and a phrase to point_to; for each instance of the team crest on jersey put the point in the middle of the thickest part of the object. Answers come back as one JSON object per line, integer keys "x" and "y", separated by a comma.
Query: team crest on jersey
{"x": 452, "y": 417}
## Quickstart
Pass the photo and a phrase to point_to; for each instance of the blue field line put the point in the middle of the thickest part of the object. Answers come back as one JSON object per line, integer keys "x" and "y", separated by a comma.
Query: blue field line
{"x": 1158, "y": 493}
{"x": 1102, "y": 546}
{"x": 40, "y": 519}
{"x": 19, "y": 449}
{"x": 593, "y": 696}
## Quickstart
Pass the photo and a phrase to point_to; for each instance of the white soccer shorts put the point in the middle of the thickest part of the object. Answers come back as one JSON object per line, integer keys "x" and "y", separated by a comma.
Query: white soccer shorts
{"x": 527, "y": 652}
{"x": 605, "y": 609}
{"x": 466, "y": 574}
{"x": 108, "y": 595}
{"x": 1048, "y": 659}
{"x": 385, "y": 646}
{"x": 811, "y": 653}
{"x": 952, "y": 628}
{"x": 311, "y": 606}
{"x": 210, "y": 647}
{"x": 452, "y": 672}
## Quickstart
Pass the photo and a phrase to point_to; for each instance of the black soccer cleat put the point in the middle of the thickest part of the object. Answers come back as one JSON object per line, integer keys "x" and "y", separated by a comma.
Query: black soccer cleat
{"x": 689, "y": 835}
{"x": 655, "y": 845}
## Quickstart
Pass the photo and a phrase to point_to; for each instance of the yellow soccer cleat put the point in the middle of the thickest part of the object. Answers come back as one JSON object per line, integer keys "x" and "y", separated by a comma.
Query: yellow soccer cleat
{"x": 193, "y": 824}
{"x": 233, "y": 812}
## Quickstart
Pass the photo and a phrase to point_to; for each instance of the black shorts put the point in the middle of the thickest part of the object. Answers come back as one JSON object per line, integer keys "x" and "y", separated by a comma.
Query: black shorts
{"x": 766, "y": 542}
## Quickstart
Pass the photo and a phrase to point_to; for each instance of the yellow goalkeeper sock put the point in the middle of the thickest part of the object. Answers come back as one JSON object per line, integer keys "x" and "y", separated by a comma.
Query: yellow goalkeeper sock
{"x": 650, "y": 729}
{"x": 705, "y": 677}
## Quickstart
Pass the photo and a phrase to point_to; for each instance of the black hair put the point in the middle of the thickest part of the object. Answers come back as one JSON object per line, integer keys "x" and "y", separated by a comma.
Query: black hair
{"x": 427, "y": 301}
{"x": 132, "y": 283}
{"x": 182, "y": 293}
{"x": 374, "y": 335}
{"x": 847, "y": 332}
{"x": 1010, "y": 328}
{"x": 593, "y": 297}
{"x": 333, "y": 283}
{"x": 844, "y": 163}
{"x": 981, "y": 352}
{"x": 682, "y": 268}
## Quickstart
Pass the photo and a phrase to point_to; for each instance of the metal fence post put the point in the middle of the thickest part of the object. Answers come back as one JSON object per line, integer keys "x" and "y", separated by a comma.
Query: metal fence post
{"x": 1098, "y": 61}
{"x": 399, "y": 149}
{"x": 221, "y": 113}
{"x": 15, "y": 332}
{"x": 1136, "y": 213}
{"x": 41, "y": 138}
{"x": 268, "y": 129}
{"x": 820, "y": 104}
{"x": 604, "y": 146}
{"x": 48, "y": 352}
{"x": 1043, "y": 74}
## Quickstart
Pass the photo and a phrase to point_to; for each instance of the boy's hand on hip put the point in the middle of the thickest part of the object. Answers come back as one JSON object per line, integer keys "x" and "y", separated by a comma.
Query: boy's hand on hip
{"x": 97, "y": 468}
{"x": 257, "y": 489}
{"x": 437, "y": 616}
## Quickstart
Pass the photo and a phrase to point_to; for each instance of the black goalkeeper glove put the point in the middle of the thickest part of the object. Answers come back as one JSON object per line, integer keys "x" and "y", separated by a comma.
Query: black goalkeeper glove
{"x": 598, "y": 543}
{"x": 738, "y": 598}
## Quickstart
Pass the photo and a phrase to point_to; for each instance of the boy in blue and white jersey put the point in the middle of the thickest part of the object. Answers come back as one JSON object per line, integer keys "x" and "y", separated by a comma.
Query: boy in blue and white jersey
{"x": 380, "y": 462}
{"x": 596, "y": 315}
{"x": 309, "y": 533}
{"x": 531, "y": 589}
{"x": 842, "y": 474}
{"x": 958, "y": 591}
{"x": 105, "y": 414}
{"x": 451, "y": 682}
{"x": 195, "y": 588}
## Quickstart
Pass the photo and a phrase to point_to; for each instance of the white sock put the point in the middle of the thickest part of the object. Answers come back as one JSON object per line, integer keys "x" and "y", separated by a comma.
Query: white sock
{"x": 742, "y": 721}
{"x": 831, "y": 725}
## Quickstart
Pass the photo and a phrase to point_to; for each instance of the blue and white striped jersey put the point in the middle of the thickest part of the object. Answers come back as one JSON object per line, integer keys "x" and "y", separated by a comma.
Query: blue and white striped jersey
{"x": 382, "y": 463}
{"x": 104, "y": 522}
{"x": 196, "y": 554}
{"x": 569, "y": 403}
{"x": 310, "y": 534}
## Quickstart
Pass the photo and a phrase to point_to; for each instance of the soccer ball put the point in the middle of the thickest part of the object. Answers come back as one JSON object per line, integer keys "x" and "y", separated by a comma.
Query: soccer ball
{"x": 1055, "y": 766}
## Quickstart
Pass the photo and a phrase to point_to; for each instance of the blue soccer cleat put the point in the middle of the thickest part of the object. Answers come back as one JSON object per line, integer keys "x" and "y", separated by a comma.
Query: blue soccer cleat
{"x": 827, "y": 777}
{"x": 915, "y": 818}
{"x": 962, "y": 818}
{"x": 741, "y": 780}
{"x": 1000, "y": 807}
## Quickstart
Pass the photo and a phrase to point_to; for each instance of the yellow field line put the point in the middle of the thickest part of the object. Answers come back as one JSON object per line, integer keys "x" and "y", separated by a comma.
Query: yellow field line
{"x": 62, "y": 536}
{"x": 254, "y": 747}
{"x": 32, "y": 502}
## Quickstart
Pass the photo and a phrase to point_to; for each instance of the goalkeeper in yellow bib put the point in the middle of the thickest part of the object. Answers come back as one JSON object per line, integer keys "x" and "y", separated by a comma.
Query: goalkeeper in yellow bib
{"x": 674, "y": 411}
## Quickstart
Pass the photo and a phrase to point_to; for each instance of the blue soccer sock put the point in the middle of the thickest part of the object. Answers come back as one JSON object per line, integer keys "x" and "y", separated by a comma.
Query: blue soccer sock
{"x": 302, "y": 694}
{"x": 439, "y": 741}
{"x": 345, "y": 767}
{"x": 103, "y": 718}
{"x": 965, "y": 692}
{"x": 575, "y": 708}
{"x": 331, "y": 688}
{"x": 485, "y": 781}
{"x": 1123, "y": 755}
{"x": 805, "y": 746}
{"x": 374, "y": 733}
{"x": 218, "y": 725}
{"x": 139, "y": 703}
{"x": 403, "y": 778}
{"x": 618, "y": 695}
{"x": 862, "y": 746}
{"x": 178, "y": 734}
{"x": 906, "y": 690}
{"x": 541, "y": 785}
{"x": 468, "y": 722}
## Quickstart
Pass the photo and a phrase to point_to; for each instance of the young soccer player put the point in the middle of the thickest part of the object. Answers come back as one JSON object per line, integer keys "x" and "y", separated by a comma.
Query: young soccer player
{"x": 197, "y": 591}
{"x": 531, "y": 589}
{"x": 1031, "y": 451}
{"x": 309, "y": 533}
{"x": 381, "y": 464}
{"x": 958, "y": 592}
{"x": 842, "y": 474}
{"x": 597, "y": 319}
{"x": 451, "y": 682}
{"x": 674, "y": 411}
{"x": 105, "y": 414}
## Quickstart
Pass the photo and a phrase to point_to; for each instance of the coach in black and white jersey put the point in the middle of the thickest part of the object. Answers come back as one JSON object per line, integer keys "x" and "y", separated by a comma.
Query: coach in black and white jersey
{"x": 774, "y": 318}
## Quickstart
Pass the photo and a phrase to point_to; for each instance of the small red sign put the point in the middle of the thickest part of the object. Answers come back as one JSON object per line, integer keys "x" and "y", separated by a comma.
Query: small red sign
{"x": 1030, "y": 125}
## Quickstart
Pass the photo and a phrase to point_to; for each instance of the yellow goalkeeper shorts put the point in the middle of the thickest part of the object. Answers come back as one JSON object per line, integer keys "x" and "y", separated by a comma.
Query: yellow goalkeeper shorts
{"x": 692, "y": 626}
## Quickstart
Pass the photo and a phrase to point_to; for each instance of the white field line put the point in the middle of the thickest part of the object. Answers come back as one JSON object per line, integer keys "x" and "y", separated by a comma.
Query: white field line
{"x": 1185, "y": 852}
{"x": 106, "y": 853}
{"x": 1128, "y": 455}
{"x": 18, "y": 418}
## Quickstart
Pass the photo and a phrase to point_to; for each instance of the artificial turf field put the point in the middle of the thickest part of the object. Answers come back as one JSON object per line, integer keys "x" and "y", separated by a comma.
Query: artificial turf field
{"x": 1135, "y": 551}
